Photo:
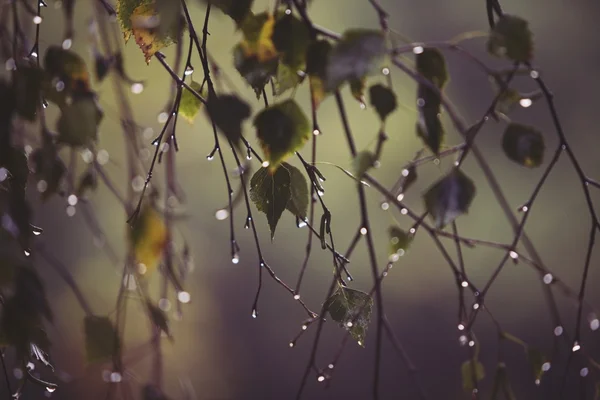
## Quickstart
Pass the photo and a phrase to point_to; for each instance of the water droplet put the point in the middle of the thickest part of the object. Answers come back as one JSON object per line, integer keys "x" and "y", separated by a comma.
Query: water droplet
{"x": 288, "y": 11}
{"x": 548, "y": 278}
{"x": 51, "y": 389}
{"x": 475, "y": 306}
{"x": 222, "y": 214}
{"x": 385, "y": 206}
{"x": 362, "y": 105}
{"x": 296, "y": 297}
{"x": 412, "y": 230}
{"x": 183, "y": 297}
{"x": 210, "y": 157}
{"x": 349, "y": 324}
{"x": 189, "y": 70}
{"x": 537, "y": 382}
{"x": 594, "y": 324}
{"x": 359, "y": 343}
{"x": 525, "y": 102}
{"x": 394, "y": 257}
{"x": 576, "y": 346}
{"x": 254, "y": 313}
{"x": 418, "y": 49}
{"x": 584, "y": 372}
{"x": 30, "y": 366}
{"x": 514, "y": 255}
{"x": 137, "y": 88}
{"x": 102, "y": 157}
{"x": 523, "y": 209}
{"x": 67, "y": 43}
{"x": 60, "y": 86}
{"x": 558, "y": 330}
{"x": 462, "y": 340}
{"x": 265, "y": 164}
{"x": 404, "y": 211}
{"x": 37, "y": 20}
{"x": 235, "y": 259}
{"x": 546, "y": 367}
{"x": 138, "y": 183}
{"x": 385, "y": 71}
{"x": 142, "y": 269}
{"x": 163, "y": 117}
{"x": 461, "y": 327}
{"x": 316, "y": 132}
{"x": 471, "y": 343}
{"x": 320, "y": 378}
{"x": 534, "y": 74}
{"x": 10, "y": 64}
{"x": 18, "y": 373}
{"x": 420, "y": 102}
{"x": 72, "y": 200}
{"x": 363, "y": 231}
{"x": 164, "y": 147}
{"x": 405, "y": 172}
{"x": 464, "y": 284}
{"x": 304, "y": 327}
{"x": 291, "y": 344}
{"x": 164, "y": 304}
{"x": 115, "y": 377}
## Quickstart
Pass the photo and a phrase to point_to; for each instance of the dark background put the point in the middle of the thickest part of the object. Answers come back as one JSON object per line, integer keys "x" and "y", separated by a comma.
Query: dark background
{"x": 222, "y": 351}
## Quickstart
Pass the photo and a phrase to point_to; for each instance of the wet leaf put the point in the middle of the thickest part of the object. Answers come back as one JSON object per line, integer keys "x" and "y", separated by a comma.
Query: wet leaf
{"x": 101, "y": 339}
{"x": 148, "y": 237}
{"x": 524, "y": 145}
{"x": 449, "y": 197}
{"x": 291, "y": 39}
{"x": 228, "y": 113}
{"x": 146, "y": 33}
{"x": 238, "y": 10}
{"x": 125, "y": 10}
{"x": 536, "y": 360}
{"x": 270, "y": 192}
{"x": 299, "y": 193}
{"x": 189, "y": 105}
{"x": 363, "y": 161}
{"x": 356, "y": 55}
{"x": 469, "y": 370}
{"x": 281, "y": 129}
{"x": 78, "y": 122}
{"x": 383, "y": 99}
{"x": 159, "y": 318}
{"x": 432, "y": 65}
{"x": 429, "y": 125}
{"x": 399, "y": 241}
{"x": 347, "y": 304}
{"x": 28, "y": 87}
{"x": 511, "y": 38}
{"x": 256, "y": 73}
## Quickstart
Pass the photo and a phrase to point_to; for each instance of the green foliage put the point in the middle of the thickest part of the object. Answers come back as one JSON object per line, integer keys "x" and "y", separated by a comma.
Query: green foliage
{"x": 79, "y": 121}
{"x": 472, "y": 371}
{"x": 281, "y": 129}
{"x": 524, "y": 145}
{"x": 449, "y": 197}
{"x": 228, "y": 112}
{"x": 400, "y": 241}
{"x": 363, "y": 161}
{"x": 101, "y": 339}
{"x": 432, "y": 65}
{"x": 291, "y": 39}
{"x": 352, "y": 310}
{"x": 383, "y": 99}
{"x": 274, "y": 192}
{"x": 189, "y": 105}
{"x": 512, "y": 39}
{"x": 238, "y": 10}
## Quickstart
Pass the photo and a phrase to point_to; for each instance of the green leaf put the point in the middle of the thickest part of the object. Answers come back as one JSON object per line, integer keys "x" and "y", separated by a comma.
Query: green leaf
{"x": 524, "y": 145}
{"x": 511, "y": 38}
{"x": 429, "y": 125}
{"x": 189, "y": 105}
{"x": 536, "y": 360}
{"x": 299, "y": 194}
{"x": 66, "y": 74}
{"x": 399, "y": 241}
{"x": 228, "y": 112}
{"x": 357, "y": 54}
{"x": 472, "y": 371}
{"x": 363, "y": 161}
{"x": 255, "y": 72}
{"x": 317, "y": 55}
{"x": 281, "y": 129}
{"x": 236, "y": 9}
{"x": 409, "y": 176}
{"x": 287, "y": 78}
{"x": 432, "y": 65}
{"x": 449, "y": 197}
{"x": 101, "y": 339}
{"x": 78, "y": 122}
{"x": 124, "y": 9}
{"x": 347, "y": 304}
{"x": 271, "y": 192}
{"x": 508, "y": 99}
{"x": 383, "y": 99}
{"x": 159, "y": 318}
{"x": 291, "y": 38}
{"x": 28, "y": 87}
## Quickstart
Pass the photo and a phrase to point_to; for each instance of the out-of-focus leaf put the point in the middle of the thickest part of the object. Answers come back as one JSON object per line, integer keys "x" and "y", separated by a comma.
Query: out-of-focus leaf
{"x": 346, "y": 305}
{"x": 524, "y": 145}
{"x": 287, "y": 78}
{"x": 257, "y": 74}
{"x": 511, "y": 38}
{"x": 399, "y": 241}
{"x": 502, "y": 385}
{"x": 238, "y": 10}
{"x": 270, "y": 192}
{"x": 48, "y": 170}
{"x": 357, "y": 88}
{"x": 102, "y": 66}
{"x": 317, "y": 55}
{"x": 66, "y": 74}
{"x": 78, "y": 122}
{"x": 536, "y": 361}
{"x": 101, "y": 339}
{"x": 148, "y": 238}
{"x": 189, "y": 105}
{"x": 146, "y": 32}
{"x": 299, "y": 194}
{"x": 409, "y": 176}
{"x": 383, "y": 99}
{"x": 363, "y": 161}
{"x": 159, "y": 318}
{"x": 507, "y": 100}
{"x": 28, "y": 87}
{"x": 291, "y": 39}
{"x": 281, "y": 129}
{"x": 429, "y": 125}
{"x": 356, "y": 55}
{"x": 228, "y": 113}
{"x": 432, "y": 65}
{"x": 449, "y": 197}
{"x": 472, "y": 371}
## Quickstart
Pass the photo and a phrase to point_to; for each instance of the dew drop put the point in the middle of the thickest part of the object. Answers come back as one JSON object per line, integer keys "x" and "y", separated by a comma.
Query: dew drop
{"x": 546, "y": 367}
{"x": 37, "y": 20}
{"x": 18, "y": 373}
{"x": 115, "y": 377}
{"x": 235, "y": 259}
{"x": 296, "y": 297}
{"x": 72, "y": 200}
{"x": 137, "y": 88}
{"x": 400, "y": 197}
{"x": 548, "y": 278}
{"x": 537, "y": 382}
{"x": 164, "y": 304}
{"x": 514, "y": 255}
{"x": 464, "y": 284}
{"x": 558, "y": 330}
{"x": 291, "y": 344}
{"x": 210, "y": 157}
{"x": 418, "y": 49}
{"x": 576, "y": 346}
{"x": 60, "y": 86}
{"x": 142, "y": 269}
{"x": 102, "y": 157}
{"x": 584, "y": 372}
{"x": 189, "y": 70}
{"x": 523, "y": 209}
{"x": 363, "y": 106}
{"x": 316, "y": 132}
{"x": 265, "y": 164}
{"x": 461, "y": 327}
{"x": 385, "y": 71}
{"x": 71, "y": 211}
{"x": 385, "y": 206}
{"x": 525, "y": 102}
{"x": 404, "y": 211}
{"x": 254, "y": 313}
{"x": 51, "y": 389}
{"x": 363, "y": 231}
{"x": 163, "y": 117}
{"x": 394, "y": 257}
{"x": 138, "y": 183}
{"x": 471, "y": 343}
{"x": 330, "y": 366}
{"x": 288, "y": 11}
{"x": 420, "y": 102}
{"x": 183, "y": 297}
{"x": 349, "y": 324}
{"x": 534, "y": 74}
{"x": 304, "y": 327}
{"x": 30, "y": 366}
{"x": 462, "y": 340}
{"x": 594, "y": 324}
{"x": 475, "y": 306}
{"x": 67, "y": 43}
{"x": 320, "y": 378}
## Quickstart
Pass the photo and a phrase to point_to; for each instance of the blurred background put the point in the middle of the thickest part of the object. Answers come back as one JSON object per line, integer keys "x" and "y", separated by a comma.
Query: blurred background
{"x": 220, "y": 350}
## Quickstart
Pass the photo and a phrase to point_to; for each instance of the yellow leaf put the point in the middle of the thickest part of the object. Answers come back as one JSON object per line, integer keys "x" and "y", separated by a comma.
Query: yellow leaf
{"x": 146, "y": 38}
{"x": 148, "y": 238}
{"x": 317, "y": 90}
{"x": 258, "y": 33}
